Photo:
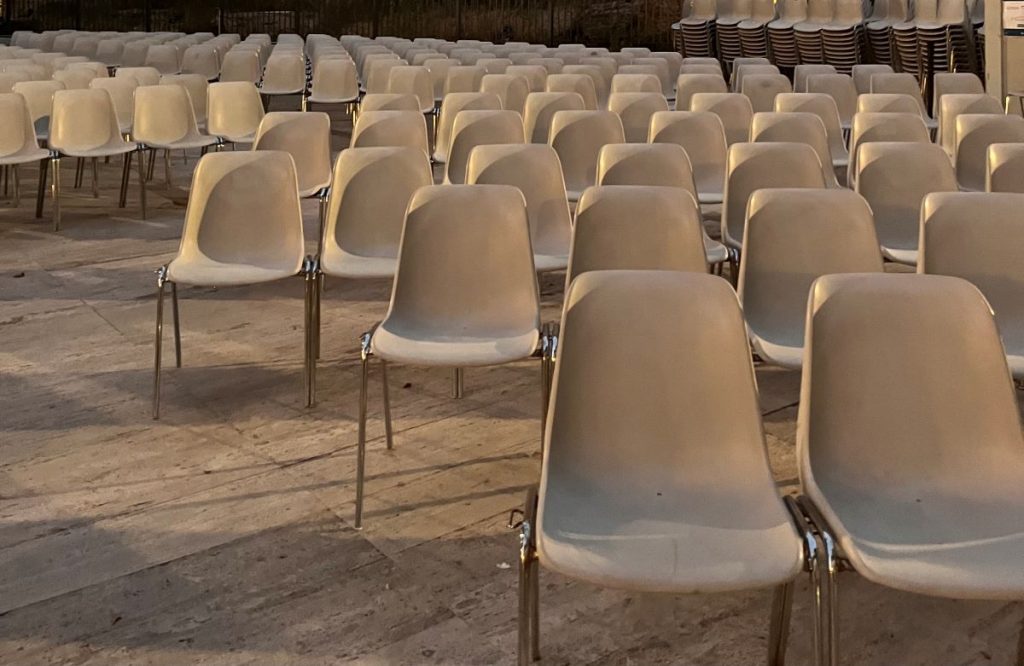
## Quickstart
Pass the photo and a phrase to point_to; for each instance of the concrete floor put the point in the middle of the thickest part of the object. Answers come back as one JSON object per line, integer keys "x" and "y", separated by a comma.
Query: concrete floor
{"x": 221, "y": 534}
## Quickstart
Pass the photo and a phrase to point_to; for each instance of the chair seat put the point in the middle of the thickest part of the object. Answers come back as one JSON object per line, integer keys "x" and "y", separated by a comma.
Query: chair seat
{"x": 715, "y": 251}
{"x": 26, "y": 157}
{"x": 550, "y": 262}
{"x": 315, "y": 189}
{"x": 108, "y": 150}
{"x": 709, "y": 198}
{"x": 320, "y": 99}
{"x": 338, "y": 263}
{"x": 1015, "y": 359}
{"x": 451, "y": 350}
{"x": 281, "y": 91}
{"x": 751, "y": 24}
{"x": 203, "y": 271}
{"x": 900, "y": 255}
{"x": 240, "y": 138}
{"x": 688, "y": 550}
{"x": 778, "y": 353}
{"x": 200, "y": 141}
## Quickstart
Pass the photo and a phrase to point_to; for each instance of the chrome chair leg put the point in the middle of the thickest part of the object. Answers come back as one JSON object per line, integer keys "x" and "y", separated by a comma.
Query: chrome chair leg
{"x": 126, "y": 160}
{"x": 167, "y": 169}
{"x": 323, "y": 220}
{"x": 528, "y": 647}
{"x": 830, "y": 630}
{"x": 361, "y": 448}
{"x": 55, "y": 190}
{"x": 161, "y": 278}
{"x": 310, "y": 359}
{"x": 387, "y": 405}
{"x": 95, "y": 180}
{"x": 17, "y": 185}
{"x": 320, "y": 285}
{"x": 79, "y": 172}
{"x": 41, "y": 192}
{"x": 778, "y": 632}
{"x": 458, "y": 383}
{"x": 142, "y": 182}
{"x": 177, "y": 328}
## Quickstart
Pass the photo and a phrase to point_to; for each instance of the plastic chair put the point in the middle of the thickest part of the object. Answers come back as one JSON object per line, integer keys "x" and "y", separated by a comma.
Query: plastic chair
{"x": 635, "y": 111}
{"x": 285, "y": 75}
{"x": 802, "y": 72}
{"x": 122, "y": 94}
{"x": 197, "y": 87}
{"x": 974, "y": 134}
{"x": 478, "y": 307}
{"x": 234, "y": 111}
{"x": 791, "y": 238}
{"x": 537, "y": 172}
{"x": 577, "y": 137}
{"x": 110, "y": 51}
{"x": 602, "y": 84}
{"x": 688, "y": 85}
{"x": 825, "y": 108}
{"x": 74, "y": 79}
{"x": 511, "y": 90}
{"x": 902, "y": 83}
{"x": 453, "y": 104}
{"x": 243, "y": 226}
{"x": 1005, "y": 168}
{"x": 909, "y": 440}
{"x": 306, "y": 136}
{"x": 796, "y": 128}
{"x": 635, "y": 441}
{"x": 164, "y": 120}
{"x": 977, "y": 237}
{"x": 702, "y": 136}
{"x": 201, "y": 59}
{"x": 163, "y": 58}
{"x": 869, "y": 127}
{"x": 733, "y": 109}
{"x": 887, "y": 103}
{"x": 334, "y": 82}
{"x": 762, "y": 89}
{"x": 635, "y": 83}
{"x": 477, "y": 128}
{"x": 39, "y": 98}
{"x": 540, "y": 109}
{"x": 241, "y": 65}
{"x": 536, "y": 75}
{"x": 388, "y": 102}
{"x": 414, "y": 81}
{"x": 958, "y": 83}
{"x": 145, "y": 76}
{"x": 391, "y": 128}
{"x": 862, "y": 76}
{"x": 463, "y": 79}
{"x": 580, "y": 84}
{"x": 951, "y": 106}
{"x": 841, "y": 89}
{"x": 84, "y": 124}
{"x": 18, "y": 142}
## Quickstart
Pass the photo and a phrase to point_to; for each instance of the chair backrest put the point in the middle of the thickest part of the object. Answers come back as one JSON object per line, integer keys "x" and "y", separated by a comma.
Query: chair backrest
{"x": 796, "y": 127}
{"x": 74, "y": 79}
{"x": 109, "y": 51}
{"x": 486, "y": 285}
{"x": 635, "y": 111}
{"x": 822, "y": 106}
{"x": 163, "y": 115}
{"x": 755, "y": 166}
{"x": 197, "y": 87}
{"x": 895, "y": 178}
{"x": 537, "y": 172}
{"x": 39, "y": 97}
{"x": 17, "y": 133}
{"x": 285, "y": 73}
{"x": 244, "y": 208}
{"x": 390, "y": 128}
{"x": 370, "y": 191}
{"x": 960, "y": 83}
{"x": 742, "y": 70}
{"x": 840, "y": 88}
{"x": 577, "y": 137}
{"x": 415, "y": 81}
{"x": 540, "y": 109}
{"x": 163, "y": 58}
{"x": 902, "y": 83}
{"x": 146, "y": 76}
{"x": 535, "y": 74}
{"x": 801, "y": 72}
{"x": 389, "y": 102}
{"x": 550, "y": 65}
{"x": 733, "y": 109}
{"x": 511, "y": 90}
{"x": 240, "y": 65}
{"x": 887, "y": 103}
{"x": 868, "y": 127}
{"x": 687, "y": 85}
{"x": 974, "y": 134}
{"x": 201, "y": 59}
{"x": 905, "y": 387}
{"x": 307, "y": 138}
{"x": 378, "y": 74}
{"x": 650, "y": 164}
{"x": 438, "y": 68}
{"x": 602, "y": 84}
{"x": 82, "y": 120}
{"x": 335, "y": 79}
{"x": 463, "y": 79}
{"x": 134, "y": 53}
{"x": 862, "y": 76}
{"x": 234, "y": 110}
{"x": 479, "y": 128}
{"x": 702, "y": 136}
{"x": 700, "y": 68}
{"x": 581, "y": 84}
{"x": 635, "y": 83}
{"x": 952, "y": 105}
{"x": 636, "y": 227}
{"x": 1005, "y": 168}
{"x": 453, "y": 104}
{"x": 792, "y": 237}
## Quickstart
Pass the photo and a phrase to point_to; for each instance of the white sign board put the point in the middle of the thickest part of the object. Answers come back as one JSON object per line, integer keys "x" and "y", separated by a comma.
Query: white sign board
{"x": 1013, "y": 15}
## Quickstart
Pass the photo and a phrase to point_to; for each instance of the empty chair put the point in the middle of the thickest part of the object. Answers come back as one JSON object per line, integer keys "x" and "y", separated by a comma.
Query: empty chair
{"x": 18, "y": 143}
{"x": 951, "y": 106}
{"x": 909, "y": 442}
{"x": 602, "y": 83}
{"x": 307, "y": 138}
{"x": 197, "y": 86}
{"x": 577, "y": 137}
{"x": 145, "y": 76}
{"x": 241, "y": 65}
{"x": 414, "y": 81}
{"x": 978, "y": 237}
{"x": 687, "y": 85}
{"x": 535, "y": 74}
{"x": 841, "y": 89}
{"x": 122, "y": 94}
{"x": 762, "y": 90}
{"x": 236, "y": 234}
{"x": 478, "y": 307}
{"x": 974, "y": 134}
{"x": 453, "y": 104}
{"x": 635, "y": 83}
{"x": 164, "y": 119}
{"x": 285, "y": 75}
{"x": 755, "y": 166}
{"x": 802, "y": 72}
{"x": 743, "y": 69}
{"x": 163, "y": 58}
{"x": 901, "y": 83}
{"x": 233, "y": 111}
{"x": 635, "y": 111}
{"x": 869, "y": 127}
{"x": 550, "y": 65}
{"x": 791, "y": 238}
{"x": 74, "y": 79}
{"x": 39, "y": 98}
{"x": 334, "y": 82}
{"x": 463, "y": 79}
{"x": 479, "y": 128}
{"x": 110, "y": 51}
{"x": 438, "y": 68}
{"x": 665, "y": 420}
{"x": 702, "y": 136}
{"x": 825, "y": 108}
{"x": 511, "y": 90}
{"x": 580, "y": 84}
{"x": 494, "y": 65}
{"x": 389, "y": 102}
{"x": 536, "y": 171}
{"x": 796, "y": 128}
{"x": 862, "y": 76}
{"x": 655, "y": 165}
{"x": 201, "y": 59}
{"x": 391, "y": 128}
{"x": 378, "y": 74}
{"x": 1005, "y": 168}
{"x": 958, "y": 83}
{"x": 714, "y": 68}
{"x": 84, "y": 124}
{"x": 887, "y": 103}
{"x": 733, "y": 109}
{"x": 540, "y": 110}
{"x": 636, "y": 227}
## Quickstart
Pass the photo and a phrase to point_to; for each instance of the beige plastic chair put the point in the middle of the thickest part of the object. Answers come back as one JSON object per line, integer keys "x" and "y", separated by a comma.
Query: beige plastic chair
{"x": 623, "y": 499}
{"x": 122, "y": 94}
{"x": 388, "y": 102}
{"x": 701, "y": 68}
{"x": 164, "y": 120}
{"x": 909, "y": 440}
{"x": 378, "y": 75}
{"x": 109, "y": 51}
{"x": 902, "y": 83}
{"x": 635, "y": 83}
{"x": 577, "y": 137}
{"x": 414, "y": 81}
{"x": 1005, "y": 168}
{"x": 163, "y": 58}
{"x": 825, "y": 108}
{"x": 762, "y": 89}
{"x": 134, "y": 53}
{"x": 580, "y": 84}
{"x": 952, "y": 105}
{"x": 733, "y": 109}
{"x": 39, "y": 98}
{"x": 453, "y": 104}
{"x": 201, "y": 59}
{"x": 635, "y": 111}
{"x": 84, "y": 124}
{"x": 636, "y": 227}
{"x": 463, "y": 79}
{"x": 887, "y": 103}
{"x": 18, "y": 142}
{"x": 665, "y": 73}
{"x": 285, "y": 74}
{"x": 334, "y": 82}
{"x": 145, "y": 76}
{"x": 234, "y": 111}
{"x": 796, "y": 128}
{"x": 550, "y": 65}
{"x": 494, "y": 65}
{"x": 74, "y": 79}
{"x": 197, "y": 87}
{"x": 540, "y": 109}
{"x": 602, "y": 83}
{"x": 862, "y": 74}
{"x": 755, "y": 166}
{"x": 702, "y": 136}
{"x": 511, "y": 90}
{"x": 479, "y": 128}
{"x": 841, "y": 89}
{"x": 958, "y": 83}
{"x": 438, "y": 68}
{"x": 478, "y": 307}
{"x": 241, "y": 65}
{"x": 791, "y": 238}
{"x": 390, "y": 129}
{"x": 978, "y": 237}
{"x": 895, "y": 178}
{"x": 535, "y": 74}
{"x": 802, "y": 72}
{"x": 243, "y": 225}
{"x": 688, "y": 85}
{"x": 306, "y": 136}
{"x": 868, "y": 127}
{"x": 974, "y": 134}
{"x": 536, "y": 171}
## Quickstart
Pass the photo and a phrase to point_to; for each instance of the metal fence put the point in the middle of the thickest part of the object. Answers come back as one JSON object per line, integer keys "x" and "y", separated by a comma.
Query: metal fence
{"x": 610, "y": 23}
